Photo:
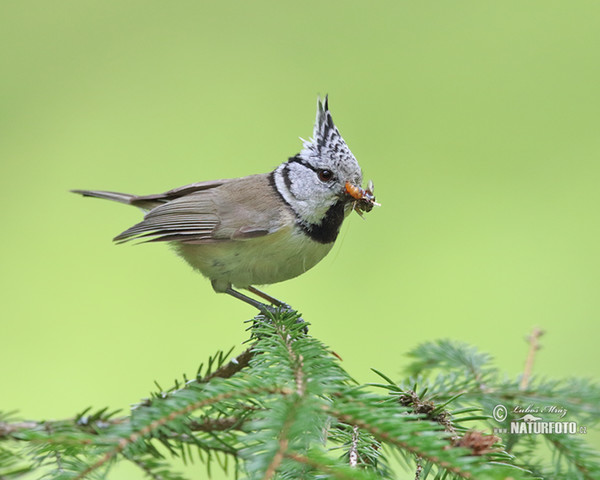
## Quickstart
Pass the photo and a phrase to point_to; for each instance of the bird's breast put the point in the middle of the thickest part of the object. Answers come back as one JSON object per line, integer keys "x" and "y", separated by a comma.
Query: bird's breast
{"x": 263, "y": 260}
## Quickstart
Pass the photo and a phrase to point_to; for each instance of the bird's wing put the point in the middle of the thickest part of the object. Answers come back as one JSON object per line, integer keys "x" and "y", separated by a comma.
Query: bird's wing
{"x": 235, "y": 209}
{"x": 189, "y": 216}
{"x": 159, "y": 198}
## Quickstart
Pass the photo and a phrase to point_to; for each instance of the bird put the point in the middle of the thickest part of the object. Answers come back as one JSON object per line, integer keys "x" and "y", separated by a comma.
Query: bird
{"x": 259, "y": 229}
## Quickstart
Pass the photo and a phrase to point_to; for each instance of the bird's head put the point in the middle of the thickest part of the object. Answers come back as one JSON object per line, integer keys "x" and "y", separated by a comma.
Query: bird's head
{"x": 323, "y": 175}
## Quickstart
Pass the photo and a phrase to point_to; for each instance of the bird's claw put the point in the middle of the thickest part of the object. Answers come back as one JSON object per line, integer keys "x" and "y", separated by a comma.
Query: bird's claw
{"x": 269, "y": 311}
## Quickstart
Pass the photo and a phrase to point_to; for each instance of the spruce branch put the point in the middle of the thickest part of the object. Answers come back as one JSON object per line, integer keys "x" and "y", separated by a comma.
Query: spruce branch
{"x": 157, "y": 423}
{"x": 397, "y": 441}
{"x": 296, "y": 361}
{"x": 9, "y": 429}
{"x": 284, "y": 408}
{"x": 283, "y": 443}
{"x": 330, "y": 469}
{"x": 216, "y": 424}
{"x": 231, "y": 368}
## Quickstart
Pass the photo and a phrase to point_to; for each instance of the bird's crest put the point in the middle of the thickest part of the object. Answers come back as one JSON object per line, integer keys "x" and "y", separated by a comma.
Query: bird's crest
{"x": 326, "y": 140}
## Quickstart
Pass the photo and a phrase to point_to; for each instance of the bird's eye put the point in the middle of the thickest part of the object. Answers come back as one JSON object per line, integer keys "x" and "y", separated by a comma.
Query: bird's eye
{"x": 325, "y": 175}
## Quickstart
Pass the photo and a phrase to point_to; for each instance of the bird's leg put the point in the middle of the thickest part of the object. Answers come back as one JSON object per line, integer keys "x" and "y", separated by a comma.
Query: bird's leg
{"x": 261, "y": 307}
{"x": 267, "y": 297}
{"x": 264, "y": 309}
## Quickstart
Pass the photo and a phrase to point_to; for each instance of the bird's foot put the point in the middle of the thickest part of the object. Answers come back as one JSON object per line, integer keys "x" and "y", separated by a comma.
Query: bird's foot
{"x": 268, "y": 313}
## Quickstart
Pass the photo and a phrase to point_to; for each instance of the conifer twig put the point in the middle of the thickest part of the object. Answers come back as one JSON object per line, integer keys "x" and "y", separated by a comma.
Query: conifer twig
{"x": 419, "y": 468}
{"x": 297, "y": 360}
{"x": 297, "y": 365}
{"x": 279, "y": 455}
{"x": 353, "y": 454}
{"x": 7, "y": 429}
{"x": 215, "y": 424}
{"x": 534, "y": 346}
{"x": 384, "y": 436}
{"x": 159, "y": 422}
{"x": 231, "y": 367}
{"x": 317, "y": 465}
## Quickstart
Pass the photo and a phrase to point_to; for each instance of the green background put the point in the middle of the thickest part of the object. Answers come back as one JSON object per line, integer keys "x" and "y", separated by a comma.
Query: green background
{"x": 478, "y": 122}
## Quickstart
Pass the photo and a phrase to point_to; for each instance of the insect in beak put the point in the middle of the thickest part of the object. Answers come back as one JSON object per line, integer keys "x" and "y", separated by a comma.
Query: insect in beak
{"x": 364, "y": 200}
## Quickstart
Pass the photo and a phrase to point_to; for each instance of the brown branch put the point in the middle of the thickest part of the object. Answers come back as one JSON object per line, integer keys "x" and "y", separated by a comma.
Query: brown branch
{"x": 224, "y": 371}
{"x": 232, "y": 367}
{"x": 283, "y": 443}
{"x": 216, "y": 424}
{"x": 421, "y": 406}
{"x": 534, "y": 346}
{"x": 277, "y": 458}
{"x": 297, "y": 360}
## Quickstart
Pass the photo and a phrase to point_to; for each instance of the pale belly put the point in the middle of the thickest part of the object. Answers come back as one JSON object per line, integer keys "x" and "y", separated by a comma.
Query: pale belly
{"x": 257, "y": 261}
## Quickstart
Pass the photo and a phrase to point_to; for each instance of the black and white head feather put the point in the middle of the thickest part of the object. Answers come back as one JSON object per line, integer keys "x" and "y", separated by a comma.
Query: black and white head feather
{"x": 313, "y": 182}
{"x": 327, "y": 143}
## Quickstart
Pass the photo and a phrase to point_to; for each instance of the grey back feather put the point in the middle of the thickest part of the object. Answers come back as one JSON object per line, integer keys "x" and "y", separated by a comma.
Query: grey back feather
{"x": 235, "y": 209}
{"x": 187, "y": 217}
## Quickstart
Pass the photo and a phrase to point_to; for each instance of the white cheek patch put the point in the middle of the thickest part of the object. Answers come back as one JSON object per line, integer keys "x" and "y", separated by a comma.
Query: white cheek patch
{"x": 302, "y": 182}
{"x": 303, "y": 192}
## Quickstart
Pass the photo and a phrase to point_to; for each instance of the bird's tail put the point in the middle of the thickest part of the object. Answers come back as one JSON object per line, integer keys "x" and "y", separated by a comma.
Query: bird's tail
{"x": 114, "y": 196}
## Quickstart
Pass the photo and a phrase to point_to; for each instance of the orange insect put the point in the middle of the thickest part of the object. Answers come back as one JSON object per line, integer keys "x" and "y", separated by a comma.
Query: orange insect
{"x": 364, "y": 198}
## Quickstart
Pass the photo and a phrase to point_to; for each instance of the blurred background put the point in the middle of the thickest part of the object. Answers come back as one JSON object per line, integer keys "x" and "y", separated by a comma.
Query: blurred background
{"x": 477, "y": 121}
